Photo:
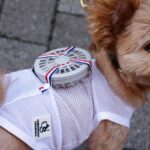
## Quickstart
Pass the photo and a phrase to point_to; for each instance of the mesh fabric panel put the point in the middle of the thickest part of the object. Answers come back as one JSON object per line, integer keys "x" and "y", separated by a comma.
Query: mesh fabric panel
{"x": 75, "y": 107}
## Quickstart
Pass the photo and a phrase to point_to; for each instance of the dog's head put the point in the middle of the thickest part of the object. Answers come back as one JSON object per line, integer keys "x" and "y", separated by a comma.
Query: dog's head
{"x": 122, "y": 27}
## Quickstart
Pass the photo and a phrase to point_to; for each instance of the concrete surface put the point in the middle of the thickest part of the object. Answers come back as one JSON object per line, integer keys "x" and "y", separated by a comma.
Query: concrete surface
{"x": 31, "y": 27}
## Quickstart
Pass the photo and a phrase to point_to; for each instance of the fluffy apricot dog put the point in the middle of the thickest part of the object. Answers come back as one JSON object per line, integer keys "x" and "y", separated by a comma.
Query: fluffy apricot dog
{"x": 120, "y": 33}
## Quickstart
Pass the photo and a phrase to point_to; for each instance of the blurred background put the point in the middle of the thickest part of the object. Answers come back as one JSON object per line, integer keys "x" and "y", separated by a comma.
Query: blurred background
{"x": 29, "y": 28}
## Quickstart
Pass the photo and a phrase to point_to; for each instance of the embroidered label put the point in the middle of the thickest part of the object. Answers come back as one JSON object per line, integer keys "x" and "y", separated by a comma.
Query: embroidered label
{"x": 41, "y": 127}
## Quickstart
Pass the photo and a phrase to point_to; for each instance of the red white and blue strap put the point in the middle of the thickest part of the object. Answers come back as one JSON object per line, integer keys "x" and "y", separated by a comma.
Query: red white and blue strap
{"x": 48, "y": 78}
{"x": 47, "y": 55}
{"x": 49, "y": 75}
{"x": 68, "y": 50}
{"x": 44, "y": 88}
{"x": 83, "y": 61}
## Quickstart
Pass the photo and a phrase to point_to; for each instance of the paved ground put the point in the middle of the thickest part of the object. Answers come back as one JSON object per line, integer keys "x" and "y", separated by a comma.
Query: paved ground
{"x": 31, "y": 27}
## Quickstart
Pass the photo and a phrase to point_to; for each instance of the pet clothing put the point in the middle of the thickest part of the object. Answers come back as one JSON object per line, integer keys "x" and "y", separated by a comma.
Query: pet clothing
{"x": 59, "y": 119}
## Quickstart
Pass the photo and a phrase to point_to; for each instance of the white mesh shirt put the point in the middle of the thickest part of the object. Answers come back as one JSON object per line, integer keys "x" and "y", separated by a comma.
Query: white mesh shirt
{"x": 59, "y": 119}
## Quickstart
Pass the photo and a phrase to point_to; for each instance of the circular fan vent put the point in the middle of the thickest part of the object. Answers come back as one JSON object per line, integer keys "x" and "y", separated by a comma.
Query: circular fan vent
{"x": 63, "y": 66}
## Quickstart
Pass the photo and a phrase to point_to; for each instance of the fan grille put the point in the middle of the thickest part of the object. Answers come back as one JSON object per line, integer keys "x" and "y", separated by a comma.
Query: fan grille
{"x": 69, "y": 67}
{"x": 46, "y": 63}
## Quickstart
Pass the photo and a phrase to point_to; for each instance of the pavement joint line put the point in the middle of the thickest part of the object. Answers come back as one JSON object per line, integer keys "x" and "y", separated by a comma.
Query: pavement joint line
{"x": 71, "y": 14}
{"x": 20, "y": 40}
{"x": 53, "y": 22}
{"x": 1, "y": 8}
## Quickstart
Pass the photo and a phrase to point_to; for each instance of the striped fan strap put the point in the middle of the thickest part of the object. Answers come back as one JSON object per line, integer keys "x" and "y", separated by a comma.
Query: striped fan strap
{"x": 83, "y": 61}
{"x": 48, "y": 76}
{"x": 69, "y": 50}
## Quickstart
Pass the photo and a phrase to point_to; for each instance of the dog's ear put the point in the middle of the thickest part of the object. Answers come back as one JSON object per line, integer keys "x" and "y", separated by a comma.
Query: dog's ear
{"x": 108, "y": 19}
{"x": 123, "y": 13}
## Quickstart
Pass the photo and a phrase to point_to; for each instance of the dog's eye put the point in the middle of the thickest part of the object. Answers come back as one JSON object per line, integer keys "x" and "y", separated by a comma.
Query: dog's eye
{"x": 147, "y": 48}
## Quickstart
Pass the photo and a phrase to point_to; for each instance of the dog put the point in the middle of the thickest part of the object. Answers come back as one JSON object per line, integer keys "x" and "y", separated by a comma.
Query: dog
{"x": 120, "y": 34}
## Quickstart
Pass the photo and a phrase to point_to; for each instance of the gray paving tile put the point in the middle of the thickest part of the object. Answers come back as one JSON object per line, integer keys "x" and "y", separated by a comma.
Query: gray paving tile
{"x": 139, "y": 137}
{"x": 16, "y": 55}
{"x": 70, "y": 30}
{"x": 29, "y": 20}
{"x": 1, "y": 1}
{"x": 71, "y": 6}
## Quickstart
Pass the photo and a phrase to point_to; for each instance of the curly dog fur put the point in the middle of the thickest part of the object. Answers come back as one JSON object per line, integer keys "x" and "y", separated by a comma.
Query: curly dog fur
{"x": 120, "y": 28}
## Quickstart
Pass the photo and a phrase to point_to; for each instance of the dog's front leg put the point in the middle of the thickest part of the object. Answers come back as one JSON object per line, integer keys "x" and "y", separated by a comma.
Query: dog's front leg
{"x": 10, "y": 142}
{"x": 107, "y": 136}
